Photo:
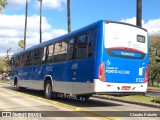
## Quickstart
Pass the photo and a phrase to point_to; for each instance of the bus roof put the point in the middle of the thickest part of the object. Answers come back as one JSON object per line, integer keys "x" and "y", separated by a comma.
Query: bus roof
{"x": 69, "y": 35}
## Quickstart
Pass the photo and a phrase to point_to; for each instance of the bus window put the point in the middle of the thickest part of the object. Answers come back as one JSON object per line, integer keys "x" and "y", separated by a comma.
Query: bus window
{"x": 12, "y": 62}
{"x": 91, "y": 40}
{"x": 44, "y": 55}
{"x": 63, "y": 51}
{"x": 20, "y": 61}
{"x": 50, "y": 53}
{"x": 71, "y": 46}
{"x": 28, "y": 59}
{"x": 37, "y": 56}
{"x": 60, "y": 51}
{"x": 81, "y": 47}
{"x": 23, "y": 60}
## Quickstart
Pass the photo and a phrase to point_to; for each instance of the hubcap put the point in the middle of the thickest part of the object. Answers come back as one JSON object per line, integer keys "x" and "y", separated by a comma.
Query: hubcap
{"x": 48, "y": 89}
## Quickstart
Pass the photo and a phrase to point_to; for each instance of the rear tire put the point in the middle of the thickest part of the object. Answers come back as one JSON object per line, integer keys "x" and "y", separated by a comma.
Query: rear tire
{"x": 48, "y": 90}
{"x": 143, "y": 93}
{"x": 17, "y": 87}
{"x": 83, "y": 97}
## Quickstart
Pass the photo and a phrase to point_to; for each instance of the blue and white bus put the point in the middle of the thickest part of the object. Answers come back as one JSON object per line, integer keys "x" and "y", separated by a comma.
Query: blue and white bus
{"x": 104, "y": 57}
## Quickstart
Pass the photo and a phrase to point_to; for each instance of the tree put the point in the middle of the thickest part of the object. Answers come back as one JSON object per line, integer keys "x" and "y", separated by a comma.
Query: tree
{"x": 139, "y": 13}
{"x": 2, "y": 4}
{"x": 154, "y": 66}
{"x": 25, "y": 29}
{"x": 68, "y": 16}
{"x": 21, "y": 44}
{"x": 8, "y": 59}
{"x": 4, "y": 62}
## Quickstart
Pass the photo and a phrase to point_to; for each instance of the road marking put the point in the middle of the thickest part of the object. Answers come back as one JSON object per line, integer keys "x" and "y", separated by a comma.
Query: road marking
{"x": 70, "y": 107}
{"x": 77, "y": 109}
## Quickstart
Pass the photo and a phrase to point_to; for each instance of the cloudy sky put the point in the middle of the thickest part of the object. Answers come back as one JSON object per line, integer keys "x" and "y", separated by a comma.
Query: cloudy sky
{"x": 54, "y": 21}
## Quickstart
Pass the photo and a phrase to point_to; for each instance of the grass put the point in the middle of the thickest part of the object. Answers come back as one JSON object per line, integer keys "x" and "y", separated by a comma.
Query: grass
{"x": 135, "y": 98}
{"x": 139, "y": 98}
{"x": 4, "y": 81}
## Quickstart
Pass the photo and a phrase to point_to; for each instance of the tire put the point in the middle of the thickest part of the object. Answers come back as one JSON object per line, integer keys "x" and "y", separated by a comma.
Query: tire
{"x": 143, "y": 93}
{"x": 48, "y": 90}
{"x": 83, "y": 97}
{"x": 17, "y": 87}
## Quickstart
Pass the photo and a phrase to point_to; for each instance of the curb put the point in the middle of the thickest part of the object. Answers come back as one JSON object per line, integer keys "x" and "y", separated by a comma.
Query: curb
{"x": 130, "y": 102}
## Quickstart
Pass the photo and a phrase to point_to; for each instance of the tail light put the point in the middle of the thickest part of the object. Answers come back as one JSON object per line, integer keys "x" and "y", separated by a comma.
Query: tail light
{"x": 101, "y": 72}
{"x": 146, "y": 75}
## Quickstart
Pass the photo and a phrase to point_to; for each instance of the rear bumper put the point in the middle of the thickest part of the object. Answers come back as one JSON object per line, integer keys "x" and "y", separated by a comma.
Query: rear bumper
{"x": 106, "y": 87}
{"x": 120, "y": 93}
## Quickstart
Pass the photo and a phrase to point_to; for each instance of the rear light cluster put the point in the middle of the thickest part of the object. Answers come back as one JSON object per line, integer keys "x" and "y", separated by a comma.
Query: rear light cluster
{"x": 146, "y": 75}
{"x": 101, "y": 72}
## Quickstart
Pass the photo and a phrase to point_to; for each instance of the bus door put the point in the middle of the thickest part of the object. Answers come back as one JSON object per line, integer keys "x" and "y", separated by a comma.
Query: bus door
{"x": 35, "y": 81}
{"x": 80, "y": 64}
{"x": 57, "y": 68}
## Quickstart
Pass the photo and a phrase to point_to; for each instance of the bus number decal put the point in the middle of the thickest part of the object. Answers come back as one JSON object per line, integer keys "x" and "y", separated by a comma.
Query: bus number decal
{"x": 139, "y": 80}
{"x": 74, "y": 66}
{"x": 49, "y": 68}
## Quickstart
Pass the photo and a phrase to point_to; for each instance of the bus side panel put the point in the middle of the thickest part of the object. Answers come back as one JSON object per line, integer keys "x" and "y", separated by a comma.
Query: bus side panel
{"x": 23, "y": 76}
{"x": 80, "y": 74}
{"x": 36, "y": 81}
{"x": 58, "y": 72}
{"x": 98, "y": 49}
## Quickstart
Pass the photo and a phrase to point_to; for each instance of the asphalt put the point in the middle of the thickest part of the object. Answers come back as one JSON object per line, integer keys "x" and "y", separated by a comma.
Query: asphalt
{"x": 151, "y": 91}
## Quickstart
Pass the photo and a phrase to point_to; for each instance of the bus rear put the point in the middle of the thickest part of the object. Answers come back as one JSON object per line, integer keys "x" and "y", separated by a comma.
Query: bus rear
{"x": 122, "y": 59}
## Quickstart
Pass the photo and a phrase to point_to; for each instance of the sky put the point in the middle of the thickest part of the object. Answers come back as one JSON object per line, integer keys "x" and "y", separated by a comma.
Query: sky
{"x": 54, "y": 20}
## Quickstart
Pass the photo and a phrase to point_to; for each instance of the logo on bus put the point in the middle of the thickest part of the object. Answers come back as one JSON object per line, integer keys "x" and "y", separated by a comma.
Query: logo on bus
{"x": 74, "y": 66}
{"x": 127, "y": 54}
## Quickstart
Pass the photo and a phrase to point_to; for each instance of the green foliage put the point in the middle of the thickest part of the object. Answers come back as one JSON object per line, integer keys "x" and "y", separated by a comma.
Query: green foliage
{"x": 2, "y": 4}
{"x": 5, "y": 61}
{"x": 154, "y": 66}
{"x": 156, "y": 100}
{"x": 21, "y": 44}
{"x": 4, "y": 81}
{"x": 2, "y": 63}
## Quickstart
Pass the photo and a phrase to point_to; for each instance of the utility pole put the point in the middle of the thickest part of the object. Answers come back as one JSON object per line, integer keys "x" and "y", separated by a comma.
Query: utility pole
{"x": 139, "y": 13}
{"x": 68, "y": 16}
{"x": 40, "y": 29}
{"x": 25, "y": 29}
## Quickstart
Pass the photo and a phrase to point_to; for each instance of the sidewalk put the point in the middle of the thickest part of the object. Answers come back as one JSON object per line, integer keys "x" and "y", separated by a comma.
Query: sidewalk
{"x": 153, "y": 89}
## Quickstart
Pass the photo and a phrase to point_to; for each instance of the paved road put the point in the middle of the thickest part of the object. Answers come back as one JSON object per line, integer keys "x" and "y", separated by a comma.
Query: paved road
{"x": 14, "y": 101}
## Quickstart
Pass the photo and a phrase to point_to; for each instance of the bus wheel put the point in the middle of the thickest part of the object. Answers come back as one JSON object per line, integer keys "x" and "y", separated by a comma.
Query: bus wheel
{"x": 48, "y": 90}
{"x": 17, "y": 86}
{"x": 83, "y": 97}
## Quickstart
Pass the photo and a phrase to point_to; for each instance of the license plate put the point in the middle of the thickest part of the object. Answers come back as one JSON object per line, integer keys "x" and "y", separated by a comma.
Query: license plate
{"x": 126, "y": 87}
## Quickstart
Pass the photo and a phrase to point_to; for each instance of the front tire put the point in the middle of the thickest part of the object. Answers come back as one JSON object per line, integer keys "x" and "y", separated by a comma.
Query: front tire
{"x": 48, "y": 90}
